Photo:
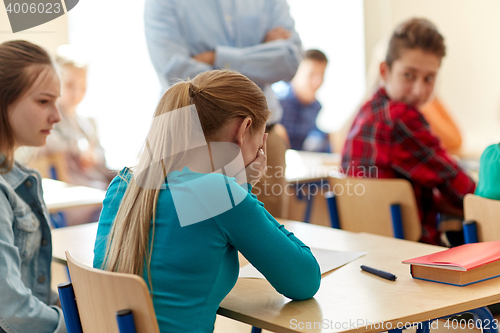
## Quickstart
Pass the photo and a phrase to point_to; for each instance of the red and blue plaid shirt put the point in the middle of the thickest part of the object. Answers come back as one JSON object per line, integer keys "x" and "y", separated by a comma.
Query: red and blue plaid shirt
{"x": 395, "y": 138}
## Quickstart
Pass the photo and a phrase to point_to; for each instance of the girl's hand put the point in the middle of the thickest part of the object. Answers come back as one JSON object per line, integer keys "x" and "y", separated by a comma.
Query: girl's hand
{"x": 258, "y": 167}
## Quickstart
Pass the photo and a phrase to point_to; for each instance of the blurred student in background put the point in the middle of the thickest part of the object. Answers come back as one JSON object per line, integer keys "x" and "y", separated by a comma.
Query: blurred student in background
{"x": 389, "y": 131}
{"x": 441, "y": 122}
{"x": 489, "y": 173}
{"x": 29, "y": 88}
{"x": 300, "y": 106}
{"x": 73, "y": 153}
{"x": 75, "y": 138}
{"x": 256, "y": 38}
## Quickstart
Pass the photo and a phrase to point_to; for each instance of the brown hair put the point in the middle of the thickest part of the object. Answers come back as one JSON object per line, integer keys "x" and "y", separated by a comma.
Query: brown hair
{"x": 21, "y": 63}
{"x": 219, "y": 96}
{"x": 316, "y": 55}
{"x": 415, "y": 33}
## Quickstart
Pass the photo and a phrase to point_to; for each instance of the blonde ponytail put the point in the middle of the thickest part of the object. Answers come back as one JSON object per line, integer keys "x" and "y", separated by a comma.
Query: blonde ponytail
{"x": 218, "y": 96}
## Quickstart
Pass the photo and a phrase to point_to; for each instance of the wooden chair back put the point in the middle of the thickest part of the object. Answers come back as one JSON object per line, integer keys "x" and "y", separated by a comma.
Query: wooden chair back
{"x": 100, "y": 294}
{"x": 364, "y": 205}
{"x": 486, "y": 214}
{"x": 52, "y": 166}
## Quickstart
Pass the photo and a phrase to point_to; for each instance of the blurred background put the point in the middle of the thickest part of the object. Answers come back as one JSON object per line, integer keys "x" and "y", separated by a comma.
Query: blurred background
{"x": 123, "y": 88}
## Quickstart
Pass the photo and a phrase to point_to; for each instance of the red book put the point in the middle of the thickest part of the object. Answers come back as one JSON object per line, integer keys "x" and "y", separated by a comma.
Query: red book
{"x": 460, "y": 266}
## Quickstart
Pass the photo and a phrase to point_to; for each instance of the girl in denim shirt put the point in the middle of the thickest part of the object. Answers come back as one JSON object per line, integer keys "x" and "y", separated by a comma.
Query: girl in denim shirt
{"x": 29, "y": 87}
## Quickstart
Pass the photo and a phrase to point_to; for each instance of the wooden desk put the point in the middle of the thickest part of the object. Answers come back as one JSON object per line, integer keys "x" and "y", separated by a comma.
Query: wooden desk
{"x": 303, "y": 166}
{"x": 60, "y": 195}
{"x": 307, "y": 172}
{"x": 78, "y": 239}
{"x": 348, "y": 295}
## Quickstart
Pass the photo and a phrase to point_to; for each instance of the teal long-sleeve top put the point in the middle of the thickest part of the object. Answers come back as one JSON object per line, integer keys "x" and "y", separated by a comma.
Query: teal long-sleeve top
{"x": 193, "y": 267}
{"x": 489, "y": 173}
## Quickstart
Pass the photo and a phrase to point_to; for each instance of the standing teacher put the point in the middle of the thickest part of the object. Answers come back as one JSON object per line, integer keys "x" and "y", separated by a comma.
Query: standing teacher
{"x": 256, "y": 38}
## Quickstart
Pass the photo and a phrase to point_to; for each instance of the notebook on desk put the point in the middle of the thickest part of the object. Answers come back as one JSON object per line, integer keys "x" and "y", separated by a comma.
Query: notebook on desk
{"x": 459, "y": 266}
{"x": 327, "y": 261}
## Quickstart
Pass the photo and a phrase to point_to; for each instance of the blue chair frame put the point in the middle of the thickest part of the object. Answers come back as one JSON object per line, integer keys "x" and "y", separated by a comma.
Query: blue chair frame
{"x": 69, "y": 307}
{"x": 309, "y": 199}
{"x": 58, "y": 219}
{"x": 124, "y": 318}
{"x": 470, "y": 232}
{"x": 125, "y": 321}
{"x": 396, "y": 217}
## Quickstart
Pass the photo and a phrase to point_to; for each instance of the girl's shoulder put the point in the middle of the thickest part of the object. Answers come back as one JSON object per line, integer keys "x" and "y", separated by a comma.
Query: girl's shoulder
{"x": 491, "y": 152}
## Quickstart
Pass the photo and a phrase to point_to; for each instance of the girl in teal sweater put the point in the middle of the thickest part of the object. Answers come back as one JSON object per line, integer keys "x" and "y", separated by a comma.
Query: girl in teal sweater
{"x": 180, "y": 218}
{"x": 489, "y": 173}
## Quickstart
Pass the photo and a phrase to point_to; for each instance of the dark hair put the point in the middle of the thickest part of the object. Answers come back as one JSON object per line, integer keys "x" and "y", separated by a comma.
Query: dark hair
{"x": 21, "y": 63}
{"x": 415, "y": 33}
{"x": 315, "y": 55}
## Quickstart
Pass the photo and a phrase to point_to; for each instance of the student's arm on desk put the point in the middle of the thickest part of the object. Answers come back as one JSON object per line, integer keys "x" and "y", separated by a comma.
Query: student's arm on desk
{"x": 281, "y": 257}
{"x": 419, "y": 157}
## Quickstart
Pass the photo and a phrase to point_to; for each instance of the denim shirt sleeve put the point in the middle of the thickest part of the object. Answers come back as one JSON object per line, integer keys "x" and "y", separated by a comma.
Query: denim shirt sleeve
{"x": 20, "y": 310}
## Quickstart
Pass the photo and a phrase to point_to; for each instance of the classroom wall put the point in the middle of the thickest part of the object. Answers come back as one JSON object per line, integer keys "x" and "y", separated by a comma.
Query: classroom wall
{"x": 336, "y": 28}
{"x": 469, "y": 83}
{"x": 122, "y": 87}
{"x": 48, "y": 35}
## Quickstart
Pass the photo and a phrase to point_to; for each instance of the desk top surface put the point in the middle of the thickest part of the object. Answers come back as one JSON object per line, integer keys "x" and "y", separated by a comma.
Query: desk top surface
{"x": 303, "y": 166}
{"x": 60, "y": 195}
{"x": 78, "y": 239}
{"x": 348, "y": 298}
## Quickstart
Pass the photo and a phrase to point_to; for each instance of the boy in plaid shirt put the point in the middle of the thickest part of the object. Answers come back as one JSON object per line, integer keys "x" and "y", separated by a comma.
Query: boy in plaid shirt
{"x": 390, "y": 133}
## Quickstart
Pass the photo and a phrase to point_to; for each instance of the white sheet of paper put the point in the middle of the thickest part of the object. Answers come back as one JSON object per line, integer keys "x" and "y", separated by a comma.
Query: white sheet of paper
{"x": 327, "y": 260}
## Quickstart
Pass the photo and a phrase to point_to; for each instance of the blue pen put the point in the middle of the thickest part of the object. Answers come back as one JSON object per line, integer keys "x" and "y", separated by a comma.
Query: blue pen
{"x": 382, "y": 274}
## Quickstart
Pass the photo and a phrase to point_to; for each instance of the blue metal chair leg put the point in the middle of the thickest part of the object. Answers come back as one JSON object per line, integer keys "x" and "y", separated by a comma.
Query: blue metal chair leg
{"x": 309, "y": 198}
{"x": 484, "y": 316}
{"x": 470, "y": 232}
{"x": 69, "y": 307}
{"x": 332, "y": 207}
{"x": 307, "y": 215}
{"x": 125, "y": 321}
{"x": 424, "y": 327}
{"x": 256, "y": 329}
{"x": 397, "y": 221}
